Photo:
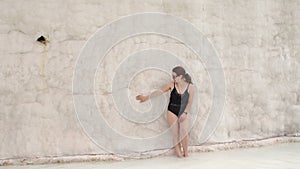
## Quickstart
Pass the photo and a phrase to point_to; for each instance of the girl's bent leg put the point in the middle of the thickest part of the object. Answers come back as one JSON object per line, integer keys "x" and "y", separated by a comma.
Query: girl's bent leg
{"x": 184, "y": 135}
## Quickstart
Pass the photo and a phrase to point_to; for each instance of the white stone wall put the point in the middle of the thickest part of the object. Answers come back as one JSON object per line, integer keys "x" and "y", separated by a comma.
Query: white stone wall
{"x": 258, "y": 43}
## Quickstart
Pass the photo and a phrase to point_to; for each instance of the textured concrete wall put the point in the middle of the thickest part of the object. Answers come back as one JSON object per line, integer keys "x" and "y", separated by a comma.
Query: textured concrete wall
{"x": 258, "y": 43}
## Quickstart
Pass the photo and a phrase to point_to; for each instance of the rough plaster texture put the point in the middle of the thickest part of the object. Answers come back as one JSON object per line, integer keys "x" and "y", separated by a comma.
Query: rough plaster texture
{"x": 258, "y": 43}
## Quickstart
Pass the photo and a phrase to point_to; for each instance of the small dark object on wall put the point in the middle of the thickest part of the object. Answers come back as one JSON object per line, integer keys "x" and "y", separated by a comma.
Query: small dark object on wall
{"x": 42, "y": 40}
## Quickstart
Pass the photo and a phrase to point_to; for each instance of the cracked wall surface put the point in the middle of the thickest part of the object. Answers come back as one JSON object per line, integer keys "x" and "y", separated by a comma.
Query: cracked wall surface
{"x": 258, "y": 43}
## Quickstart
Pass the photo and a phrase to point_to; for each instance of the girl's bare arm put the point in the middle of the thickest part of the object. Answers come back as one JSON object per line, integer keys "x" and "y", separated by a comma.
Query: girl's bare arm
{"x": 158, "y": 92}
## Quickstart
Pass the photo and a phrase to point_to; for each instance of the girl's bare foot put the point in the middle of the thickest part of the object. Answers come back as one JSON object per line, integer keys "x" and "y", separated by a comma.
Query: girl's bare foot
{"x": 179, "y": 155}
{"x": 185, "y": 155}
{"x": 178, "y": 151}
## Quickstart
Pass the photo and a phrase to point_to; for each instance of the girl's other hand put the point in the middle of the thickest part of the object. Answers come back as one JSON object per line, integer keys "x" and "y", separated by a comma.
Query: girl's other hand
{"x": 182, "y": 117}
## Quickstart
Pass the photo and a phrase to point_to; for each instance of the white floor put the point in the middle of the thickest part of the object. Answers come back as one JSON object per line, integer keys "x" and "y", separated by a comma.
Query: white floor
{"x": 283, "y": 156}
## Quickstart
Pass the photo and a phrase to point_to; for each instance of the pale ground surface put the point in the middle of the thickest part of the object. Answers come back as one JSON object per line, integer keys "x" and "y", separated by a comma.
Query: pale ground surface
{"x": 276, "y": 156}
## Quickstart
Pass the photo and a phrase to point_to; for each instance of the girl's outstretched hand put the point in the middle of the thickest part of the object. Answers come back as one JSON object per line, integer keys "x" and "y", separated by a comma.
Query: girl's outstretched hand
{"x": 141, "y": 98}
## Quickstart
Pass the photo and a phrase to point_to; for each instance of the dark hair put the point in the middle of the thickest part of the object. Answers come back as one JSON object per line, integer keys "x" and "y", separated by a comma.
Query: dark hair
{"x": 180, "y": 71}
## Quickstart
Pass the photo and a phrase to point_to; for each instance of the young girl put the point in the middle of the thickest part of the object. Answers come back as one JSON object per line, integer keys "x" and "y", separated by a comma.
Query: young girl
{"x": 181, "y": 98}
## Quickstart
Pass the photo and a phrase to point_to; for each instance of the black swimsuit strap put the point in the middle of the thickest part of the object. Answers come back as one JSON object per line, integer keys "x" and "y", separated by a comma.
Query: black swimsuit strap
{"x": 187, "y": 88}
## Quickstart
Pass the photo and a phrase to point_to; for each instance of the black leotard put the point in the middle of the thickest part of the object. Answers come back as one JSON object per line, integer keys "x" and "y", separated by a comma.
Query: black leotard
{"x": 178, "y": 102}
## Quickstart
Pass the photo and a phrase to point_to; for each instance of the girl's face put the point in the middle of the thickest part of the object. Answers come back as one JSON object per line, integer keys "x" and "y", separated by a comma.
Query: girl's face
{"x": 175, "y": 77}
